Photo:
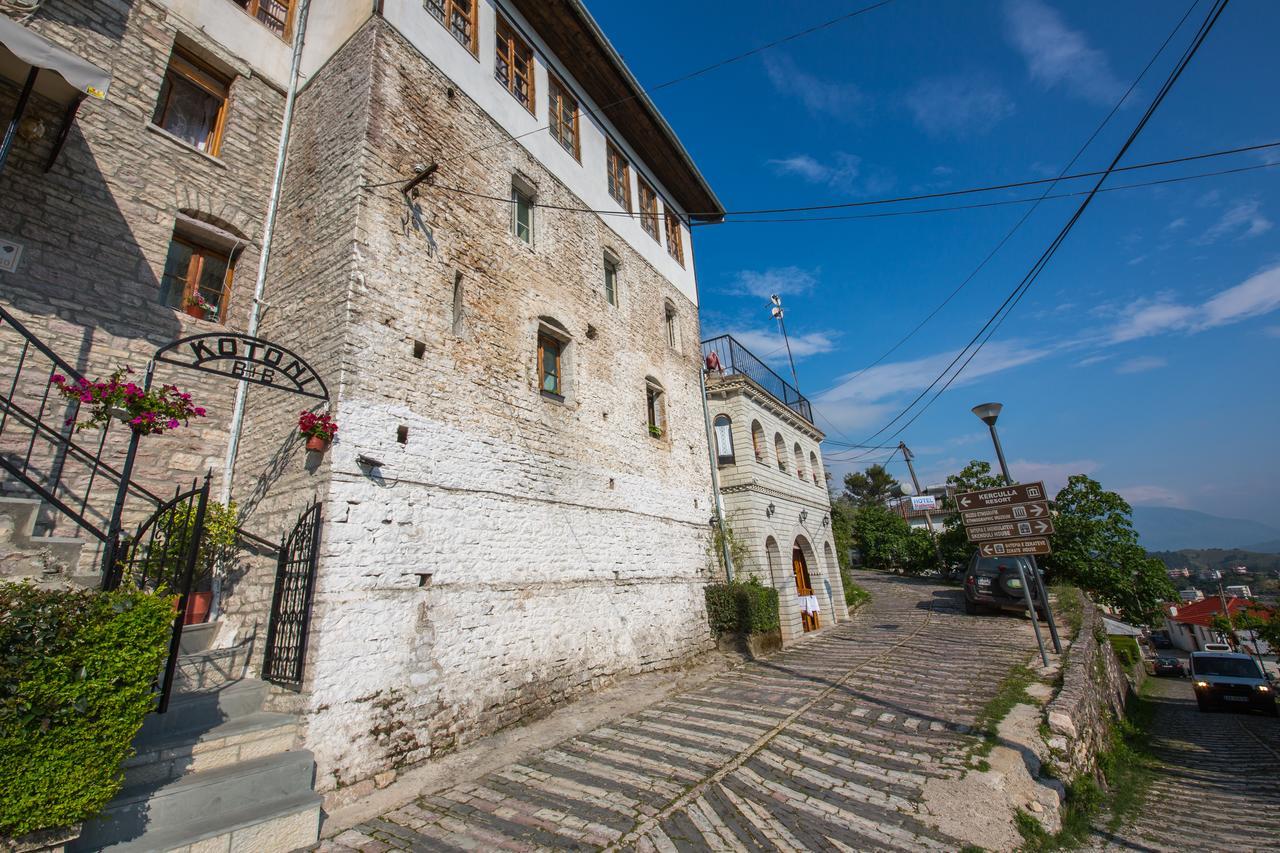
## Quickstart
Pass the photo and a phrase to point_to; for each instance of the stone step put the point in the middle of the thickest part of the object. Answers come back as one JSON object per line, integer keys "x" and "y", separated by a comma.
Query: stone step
{"x": 199, "y": 637}
{"x": 166, "y": 756}
{"x": 194, "y": 712}
{"x": 210, "y": 668}
{"x": 247, "y": 798}
{"x": 27, "y": 554}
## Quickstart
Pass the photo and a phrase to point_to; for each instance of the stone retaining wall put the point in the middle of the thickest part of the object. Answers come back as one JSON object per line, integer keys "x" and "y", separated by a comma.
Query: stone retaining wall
{"x": 1094, "y": 690}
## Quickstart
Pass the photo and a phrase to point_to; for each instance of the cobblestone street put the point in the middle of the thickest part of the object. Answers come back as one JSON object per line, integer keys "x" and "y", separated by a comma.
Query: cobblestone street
{"x": 1219, "y": 785}
{"x": 826, "y": 746}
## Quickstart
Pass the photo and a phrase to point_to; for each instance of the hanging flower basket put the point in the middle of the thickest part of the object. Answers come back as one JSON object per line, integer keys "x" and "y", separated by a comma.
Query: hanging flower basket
{"x": 201, "y": 308}
{"x": 318, "y": 429}
{"x": 145, "y": 411}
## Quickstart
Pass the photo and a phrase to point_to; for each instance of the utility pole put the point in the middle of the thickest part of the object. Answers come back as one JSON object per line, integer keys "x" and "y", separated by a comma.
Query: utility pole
{"x": 777, "y": 313}
{"x": 907, "y": 456}
{"x": 989, "y": 412}
{"x": 713, "y": 461}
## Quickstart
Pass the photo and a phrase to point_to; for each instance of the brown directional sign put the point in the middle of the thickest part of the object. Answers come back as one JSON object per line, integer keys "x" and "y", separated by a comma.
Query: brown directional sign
{"x": 1012, "y": 512}
{"x": 1009, "y": 530}
{"x": 1015, "y": 548}
{"x": 1003, "y": 496}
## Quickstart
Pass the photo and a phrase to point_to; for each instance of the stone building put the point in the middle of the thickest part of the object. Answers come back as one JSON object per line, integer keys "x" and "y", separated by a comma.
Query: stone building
{"x": 516, "y": 508}
{"x": 769, "y": 461}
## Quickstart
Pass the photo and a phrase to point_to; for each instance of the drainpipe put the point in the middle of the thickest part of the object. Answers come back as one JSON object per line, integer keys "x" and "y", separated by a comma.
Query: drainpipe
{"x": 268, "y": 230}
{"x": 715, "y": 477}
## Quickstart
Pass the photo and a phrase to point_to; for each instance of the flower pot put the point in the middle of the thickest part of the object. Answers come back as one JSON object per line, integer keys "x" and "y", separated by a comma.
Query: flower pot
{"x": 198, "y": 604}
{"x": 317, "y": 444}
{"x": 195, "y": 311}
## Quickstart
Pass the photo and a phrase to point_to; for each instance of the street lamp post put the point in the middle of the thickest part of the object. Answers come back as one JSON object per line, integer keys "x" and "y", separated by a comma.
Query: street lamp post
{"x": 988, "y": 413}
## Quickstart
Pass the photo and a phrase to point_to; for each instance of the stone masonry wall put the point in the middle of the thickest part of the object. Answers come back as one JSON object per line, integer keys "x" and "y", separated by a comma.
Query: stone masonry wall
{"x": 511, "y": 550}
{"x": 96, "y": 229}
{"x": 1094, "y": 691}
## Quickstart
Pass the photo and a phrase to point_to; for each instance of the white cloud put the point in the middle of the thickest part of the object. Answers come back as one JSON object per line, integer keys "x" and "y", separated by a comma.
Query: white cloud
{"x": 1054, "y": 474}
{"x": 1141, "y": 364}
{"x": 959, "y": 105}
{"x": 820, "y": 97}
{"x": 1091, "y": 360}
{"x": 1243, "y": 219}
{"x": 1152, "y": 496}
{"x": 1058, "y": 56}
{"x": 842, "y": 172}
{"x": 943, "y": 171}
{"x": 770, "y": 347}
{"x": 780, "y": 280}
{"x": 1180, "y": 222}
{"x": 1257, "y": 295}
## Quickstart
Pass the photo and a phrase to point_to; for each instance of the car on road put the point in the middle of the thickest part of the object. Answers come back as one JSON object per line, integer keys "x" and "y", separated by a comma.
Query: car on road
{"x": 1170, "y": 666}
{"x": 1230, "y": 679}
{"x": 1160, "y": 640}
{"x": 994, "y": 583}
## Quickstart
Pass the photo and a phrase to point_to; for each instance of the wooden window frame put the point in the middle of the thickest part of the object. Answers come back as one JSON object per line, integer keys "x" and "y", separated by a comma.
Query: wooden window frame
{"x": 670, "y": 324}
{"x": 506, "y": 36}
{"x": 675, "y": 238}
{"x": 195, "y": 72}
{"x": 447, "y": 9}
{"x": 251, "y": 8}
{"x": 195, "y": 267}
{"x": 544, "y": 339}
{"x": 655, "y": 414}
{"x": 518, "y": 193}
{"x": 648, "y": 207}
{"x": 610, "y": 263}
{"x": 555, "y": 115}
{"x": 621, "y": 178}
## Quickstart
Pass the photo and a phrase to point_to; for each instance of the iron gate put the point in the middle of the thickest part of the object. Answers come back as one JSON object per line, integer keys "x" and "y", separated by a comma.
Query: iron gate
{"x": 286, "y": 649}
{"x": 162, "y": 555}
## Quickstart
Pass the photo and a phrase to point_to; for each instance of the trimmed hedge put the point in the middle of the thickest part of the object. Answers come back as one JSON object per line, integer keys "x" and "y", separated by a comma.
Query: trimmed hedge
{"x": 742, "y": 608}
{"x": 77, "y": 670}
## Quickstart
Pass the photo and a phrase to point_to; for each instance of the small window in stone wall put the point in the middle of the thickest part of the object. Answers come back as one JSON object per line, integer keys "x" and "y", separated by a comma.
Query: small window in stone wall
{"x": 550, "y": 365}
{"x": 724, "y": 439}
{"x": 522, "y": 213}
{"x": 671, "y": 326}
{"x": 193, "y": 103}
{"x": 655, "y": 408}
{"x": 610, "y": 279}
{"x": 196, "y": 279}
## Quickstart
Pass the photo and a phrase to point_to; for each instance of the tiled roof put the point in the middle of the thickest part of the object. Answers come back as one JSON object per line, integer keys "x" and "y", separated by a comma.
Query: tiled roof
{"x": 1202, "y": 612}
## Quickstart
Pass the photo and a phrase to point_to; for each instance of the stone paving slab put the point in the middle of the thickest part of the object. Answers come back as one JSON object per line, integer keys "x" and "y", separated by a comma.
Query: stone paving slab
{"x": 823, "y": 747}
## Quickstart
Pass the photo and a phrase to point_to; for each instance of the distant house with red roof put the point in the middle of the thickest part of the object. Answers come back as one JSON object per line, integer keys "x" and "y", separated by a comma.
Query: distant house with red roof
{"x": 1190, "y": 624}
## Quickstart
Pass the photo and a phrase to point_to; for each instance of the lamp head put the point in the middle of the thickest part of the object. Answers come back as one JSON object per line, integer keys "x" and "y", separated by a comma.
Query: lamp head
{"x": 988, "y": 412}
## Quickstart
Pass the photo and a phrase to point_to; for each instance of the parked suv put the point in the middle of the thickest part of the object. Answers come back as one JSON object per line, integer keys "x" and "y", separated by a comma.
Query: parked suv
{"x": 1230, "y": 679}
{"x": 992, "y": 583}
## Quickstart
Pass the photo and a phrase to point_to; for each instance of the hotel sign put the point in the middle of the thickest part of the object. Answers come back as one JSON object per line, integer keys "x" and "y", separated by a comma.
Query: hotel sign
{"x": 243, "y": 357}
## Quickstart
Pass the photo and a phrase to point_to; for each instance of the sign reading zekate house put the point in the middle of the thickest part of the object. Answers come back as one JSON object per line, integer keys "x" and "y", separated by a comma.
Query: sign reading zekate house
{"x": 244, "y": 357}
{"x": 1007, "y": 521}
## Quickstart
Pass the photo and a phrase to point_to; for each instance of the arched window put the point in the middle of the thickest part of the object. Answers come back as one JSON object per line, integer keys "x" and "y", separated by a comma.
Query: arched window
{"x": 780, "y": 450}
{"x": 669, "y": 321}
{"x": 757, "y": 440}
{"x": 724, "y": 439}
{"x": 799, "y": 461}
{"x": 813, "y": 468}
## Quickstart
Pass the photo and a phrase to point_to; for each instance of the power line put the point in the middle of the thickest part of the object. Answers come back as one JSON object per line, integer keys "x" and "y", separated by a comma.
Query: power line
{"x": 1024, "y": 285}
{"x": 1027, "y": 215}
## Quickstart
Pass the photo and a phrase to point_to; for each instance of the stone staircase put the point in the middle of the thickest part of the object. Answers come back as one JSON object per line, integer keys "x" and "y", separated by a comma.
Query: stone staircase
{"x": 28, "y": 555}
{"x": 215, "y": 772}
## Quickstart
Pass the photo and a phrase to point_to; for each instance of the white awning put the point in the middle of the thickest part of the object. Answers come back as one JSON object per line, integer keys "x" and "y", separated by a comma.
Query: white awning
{"x": 72, "y": 77}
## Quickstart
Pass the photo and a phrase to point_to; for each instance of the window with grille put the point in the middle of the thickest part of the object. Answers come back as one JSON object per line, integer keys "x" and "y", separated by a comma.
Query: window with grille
{"x": 514, "y": 65}
{"x": 648, "y": 208}
{"x": 193, "y": 103}
{"x": 563, "y": 116}
{"x": 675, "y": 242}
{"x": 458, "y": 17}
{"x": 275, "y": 15}
{"x": 619, "y": 176}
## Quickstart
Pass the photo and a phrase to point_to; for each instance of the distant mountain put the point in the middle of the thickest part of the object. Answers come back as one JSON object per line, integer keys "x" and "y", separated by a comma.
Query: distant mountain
{"x": 1162, "y": 528}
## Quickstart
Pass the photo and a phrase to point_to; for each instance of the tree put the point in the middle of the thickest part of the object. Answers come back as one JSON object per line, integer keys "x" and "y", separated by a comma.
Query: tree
{"x": 1096, "y": 548}
{"x": 881, "y": 537}
{"x": 842, "y": 529}
{"x": 953, "y": 543}
{"x": 1269, "y": 632}
{"x": 874, "y": 486}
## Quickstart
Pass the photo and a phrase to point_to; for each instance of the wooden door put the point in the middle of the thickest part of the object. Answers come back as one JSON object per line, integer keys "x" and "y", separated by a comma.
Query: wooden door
{"x": 804, "y": 587}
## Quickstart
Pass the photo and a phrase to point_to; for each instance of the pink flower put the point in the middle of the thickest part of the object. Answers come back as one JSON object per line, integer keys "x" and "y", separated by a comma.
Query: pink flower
{"x": 173, "y": 423}
{"x": 198, "y": 411}
{"x": 58, "y": 379}
{"x": 86, "y": 397}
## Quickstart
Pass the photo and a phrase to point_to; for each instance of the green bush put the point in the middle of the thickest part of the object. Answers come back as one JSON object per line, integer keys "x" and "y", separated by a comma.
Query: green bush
{"x": 742, "y": 607}
{"x": 854, "y": 595}
{"x": 77, "y": 670}
{"x": 1127, "y": 651}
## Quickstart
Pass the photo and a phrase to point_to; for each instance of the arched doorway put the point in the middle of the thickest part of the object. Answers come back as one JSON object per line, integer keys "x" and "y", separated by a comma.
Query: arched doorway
{"x": 809, "y": 607}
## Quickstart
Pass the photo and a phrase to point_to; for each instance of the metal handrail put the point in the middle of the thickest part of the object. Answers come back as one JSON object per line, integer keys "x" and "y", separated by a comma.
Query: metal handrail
{"x": 735, "y": 358}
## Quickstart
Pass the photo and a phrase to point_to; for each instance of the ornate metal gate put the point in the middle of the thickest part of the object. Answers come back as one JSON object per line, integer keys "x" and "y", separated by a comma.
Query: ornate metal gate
{"x": 286, "y": 650}
{"x": 162, "y": 555}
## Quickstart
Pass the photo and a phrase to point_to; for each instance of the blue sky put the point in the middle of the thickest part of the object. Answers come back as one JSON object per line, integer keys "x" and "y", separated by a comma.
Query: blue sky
{"x": 1146, "y": 354}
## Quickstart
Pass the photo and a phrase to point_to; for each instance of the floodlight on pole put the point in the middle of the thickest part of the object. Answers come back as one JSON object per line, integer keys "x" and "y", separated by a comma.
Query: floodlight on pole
{"x": 776, "y": 311}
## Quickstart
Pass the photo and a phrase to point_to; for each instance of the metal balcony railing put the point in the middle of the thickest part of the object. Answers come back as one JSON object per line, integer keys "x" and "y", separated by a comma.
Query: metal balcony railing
{"x": 736, "y": 359}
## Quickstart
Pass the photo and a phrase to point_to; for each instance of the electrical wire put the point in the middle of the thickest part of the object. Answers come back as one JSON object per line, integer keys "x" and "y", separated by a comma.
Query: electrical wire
{"x": 993, "y": 323}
